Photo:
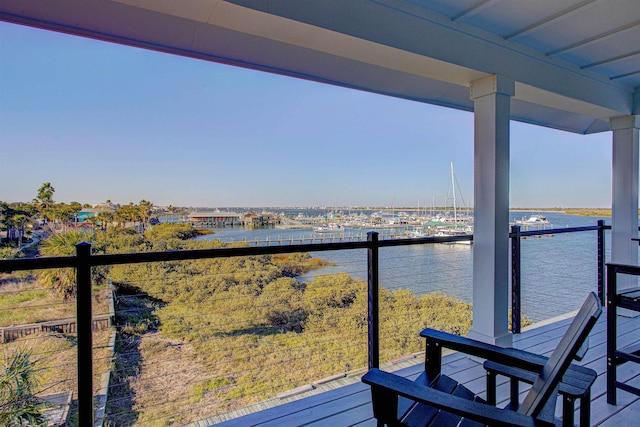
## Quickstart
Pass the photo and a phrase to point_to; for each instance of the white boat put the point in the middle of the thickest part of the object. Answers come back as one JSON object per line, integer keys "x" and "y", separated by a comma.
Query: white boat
{"x": 418, "y": 233}
{"x": 329, "y": 228}
{"x": 533, "y": 220}
{"x": 455, "y": 231}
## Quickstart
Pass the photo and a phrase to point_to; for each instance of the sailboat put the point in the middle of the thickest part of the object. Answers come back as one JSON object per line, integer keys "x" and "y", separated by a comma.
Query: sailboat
{"x": 459, "y": 227}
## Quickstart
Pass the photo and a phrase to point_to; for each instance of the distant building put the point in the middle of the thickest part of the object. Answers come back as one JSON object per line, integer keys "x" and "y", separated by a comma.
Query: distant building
{"x": 215, "y": 218}
{"x": 252, "y": 219}
{"x": 87, "y": 213}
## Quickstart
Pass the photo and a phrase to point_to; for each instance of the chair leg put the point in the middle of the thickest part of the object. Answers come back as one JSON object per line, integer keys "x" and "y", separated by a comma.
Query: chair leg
{"x": 611, "y": 348}
{"x": 585, "y": 410}
{"x": 567, "y": 411}
{"x": 514, "y": 394}
{"x": 491, "y": 388}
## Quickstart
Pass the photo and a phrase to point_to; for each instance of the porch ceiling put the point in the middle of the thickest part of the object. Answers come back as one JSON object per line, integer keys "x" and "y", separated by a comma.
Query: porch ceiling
{"x": 576, "y": 63}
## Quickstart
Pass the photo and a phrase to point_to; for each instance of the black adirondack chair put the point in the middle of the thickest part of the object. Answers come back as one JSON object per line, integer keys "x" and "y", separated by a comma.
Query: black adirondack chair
{"x": 437, "y": 400}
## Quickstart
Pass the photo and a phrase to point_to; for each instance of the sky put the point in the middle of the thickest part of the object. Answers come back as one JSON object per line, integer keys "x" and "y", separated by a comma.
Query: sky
{"x": 101, "y": 121}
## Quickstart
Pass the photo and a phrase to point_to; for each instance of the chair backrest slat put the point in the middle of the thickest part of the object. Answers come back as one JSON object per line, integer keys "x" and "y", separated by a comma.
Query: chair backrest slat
{"x": 562, "y": 356}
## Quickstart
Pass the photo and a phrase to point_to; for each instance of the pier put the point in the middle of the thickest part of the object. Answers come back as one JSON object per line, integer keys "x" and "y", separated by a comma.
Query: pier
{"x": 216, "y": 219}
{"x": 319, "y": 238}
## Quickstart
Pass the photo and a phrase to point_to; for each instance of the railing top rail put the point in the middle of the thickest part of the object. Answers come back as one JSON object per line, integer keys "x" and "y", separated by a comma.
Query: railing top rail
{"x": 9, "y": 265}
{"x": 558, "y": 230}
{"x": 179, "y": 255}
{"x": 140, "y": 257}
{"x": 624, "y": 268}
{"x": 424, "y": 240}
{"x": 18, "y": 264}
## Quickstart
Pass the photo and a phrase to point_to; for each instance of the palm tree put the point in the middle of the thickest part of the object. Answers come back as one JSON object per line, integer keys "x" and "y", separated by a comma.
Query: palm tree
{"x": 106, "y": 218}
{"x": 73, "y": 209}
{"x": 45, "y": 198}
{"x": 128, "y": 213}
{"x": 146, "y": 209}
{"x": 20, "y": 219}
{"x": 14, "y": 219}
{"x": 62, "y": 280}
{"x": 63, "y": 212}
{"x": 18, "y": 405}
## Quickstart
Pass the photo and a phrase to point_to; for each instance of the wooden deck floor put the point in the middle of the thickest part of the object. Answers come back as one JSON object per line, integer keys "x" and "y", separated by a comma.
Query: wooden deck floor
{"x": 350, "y": 405}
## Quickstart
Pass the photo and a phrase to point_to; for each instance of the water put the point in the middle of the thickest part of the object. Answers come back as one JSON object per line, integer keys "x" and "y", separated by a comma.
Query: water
{"x": 557, "y": 271}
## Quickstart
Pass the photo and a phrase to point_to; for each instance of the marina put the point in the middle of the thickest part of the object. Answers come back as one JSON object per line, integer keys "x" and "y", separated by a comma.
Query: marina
{"x": 547, "y": 263}
{"x": 317, "y": 225}
{"x": 330, "y": 221}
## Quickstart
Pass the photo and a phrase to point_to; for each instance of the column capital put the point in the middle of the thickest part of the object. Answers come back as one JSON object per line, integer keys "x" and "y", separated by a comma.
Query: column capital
{"x": 494, "y": 84}
{"x": 625, "y": 122}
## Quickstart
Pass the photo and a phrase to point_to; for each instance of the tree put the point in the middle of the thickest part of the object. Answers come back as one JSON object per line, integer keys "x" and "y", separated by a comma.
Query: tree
{"x": 44, "y": 199}
{"x": 63, "y": 280}
{"x": 18, "y": 405}
{"x": 128, "y": 213}
{"x": 146, "y": 209}
{"x": 19, "y": 220}
{"x": 63, "y": 212}
{"x": 105, "y": 218}
{"x": 74, "y": 208}
{"x": 14, "y": 219}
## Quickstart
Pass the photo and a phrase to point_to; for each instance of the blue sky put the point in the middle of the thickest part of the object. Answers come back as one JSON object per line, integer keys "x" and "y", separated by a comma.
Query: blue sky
{"x": 103, "y": 121}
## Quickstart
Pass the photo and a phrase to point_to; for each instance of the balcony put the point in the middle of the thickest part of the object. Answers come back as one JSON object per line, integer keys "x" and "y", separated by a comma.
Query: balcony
{"x": 546, "y": 68}
{"x": 351, "y": 404}
{"x": 326, "y": 397}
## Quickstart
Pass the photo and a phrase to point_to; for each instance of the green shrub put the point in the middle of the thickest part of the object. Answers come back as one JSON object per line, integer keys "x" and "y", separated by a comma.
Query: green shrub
{"x": 18, "y": 405}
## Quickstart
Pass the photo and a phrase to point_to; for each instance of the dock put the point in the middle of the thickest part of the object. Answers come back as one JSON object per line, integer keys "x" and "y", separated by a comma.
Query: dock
{"x": 319, "y": 238}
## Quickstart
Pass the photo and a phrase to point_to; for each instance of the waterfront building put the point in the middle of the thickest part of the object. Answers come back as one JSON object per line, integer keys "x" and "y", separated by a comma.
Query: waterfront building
{"x": 254, "y": 220}
{"x": 214, "y": 218}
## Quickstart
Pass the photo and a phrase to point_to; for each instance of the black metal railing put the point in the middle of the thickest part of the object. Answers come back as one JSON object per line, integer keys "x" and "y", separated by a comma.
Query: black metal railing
{"x": 625, "y": 298}
{"x": 84, "y": 261}
{"x": 516, "y": 237}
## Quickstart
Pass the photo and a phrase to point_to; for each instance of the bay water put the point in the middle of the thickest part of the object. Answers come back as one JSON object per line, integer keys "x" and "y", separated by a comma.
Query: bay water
{"x": 557, "y": 271}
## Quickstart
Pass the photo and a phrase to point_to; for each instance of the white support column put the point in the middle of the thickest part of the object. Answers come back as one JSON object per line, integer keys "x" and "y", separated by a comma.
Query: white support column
{"x": 492, "y": 99}
{"x": 624, "y": 216}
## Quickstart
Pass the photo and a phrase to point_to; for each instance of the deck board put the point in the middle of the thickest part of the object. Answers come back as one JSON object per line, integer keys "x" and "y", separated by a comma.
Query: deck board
{"x": 350, "y": 405}
{"x": 318, "y": 413}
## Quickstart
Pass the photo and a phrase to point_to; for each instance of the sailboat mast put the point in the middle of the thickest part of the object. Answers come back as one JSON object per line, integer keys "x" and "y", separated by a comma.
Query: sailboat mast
{"x": 453, "y": 186}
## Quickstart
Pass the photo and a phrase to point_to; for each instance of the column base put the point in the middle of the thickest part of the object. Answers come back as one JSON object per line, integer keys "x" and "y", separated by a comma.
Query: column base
{"x": 505, "y": 340}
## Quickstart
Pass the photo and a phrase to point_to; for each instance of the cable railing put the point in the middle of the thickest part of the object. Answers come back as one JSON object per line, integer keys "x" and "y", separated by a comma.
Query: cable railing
{"x": 210, "y": 346}
{"x": 516, "y": 236}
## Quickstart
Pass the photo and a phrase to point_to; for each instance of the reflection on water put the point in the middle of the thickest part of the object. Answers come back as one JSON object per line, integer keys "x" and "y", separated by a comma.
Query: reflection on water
{"x": 557, "y": 271}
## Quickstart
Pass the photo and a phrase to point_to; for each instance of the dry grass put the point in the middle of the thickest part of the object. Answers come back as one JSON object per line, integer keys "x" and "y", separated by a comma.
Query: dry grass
{"x": 24, "y": 300}
{"x": 55, "y": 358}
{"x": 149, "y": 400}
{"x": 156, "y": 403}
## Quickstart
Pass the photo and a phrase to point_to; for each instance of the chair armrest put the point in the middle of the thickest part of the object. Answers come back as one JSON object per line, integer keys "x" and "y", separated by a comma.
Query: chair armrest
{"x": 506, "y": 356}
{"x": 576, "y": 382}
{"x": 472, "y": 410}
{"x": 510, "y": 371}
